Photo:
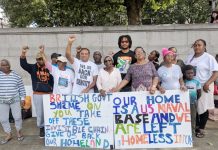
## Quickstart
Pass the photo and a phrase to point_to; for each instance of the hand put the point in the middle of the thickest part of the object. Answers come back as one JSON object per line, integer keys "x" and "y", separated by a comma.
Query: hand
{"x": 162, "y": 90}
{"x": 24, "y": 50}
{"x": 22, "y": 103}
{"x": 102, "y": 92}
{"x": 78, "y": 49}
{"x": 113, "y": 90}
{"x": 71, "y": 39}
{"x": 183, "y": 88}
{"x": 152, "y": 89}
{"x": 42, "y": 49}
{"x": 86, "y": 90}
{"x": 206, "y": 88}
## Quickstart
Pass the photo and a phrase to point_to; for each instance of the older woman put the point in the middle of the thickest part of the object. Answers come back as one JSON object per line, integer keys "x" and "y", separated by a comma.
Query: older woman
{"x": 170, "y": 74}
{"x": 109, "y": 77}
{"x": 11, "y": 93}
{"x": 206, "y": 71}
{"x": 142, "y": 73}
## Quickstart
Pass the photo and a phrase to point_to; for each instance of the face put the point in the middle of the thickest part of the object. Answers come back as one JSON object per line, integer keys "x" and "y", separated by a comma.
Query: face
{"x": 189, "y": 74}
{"x": 108, "y": 62}
{"x": 54, "y": 60}
{"x": 84, "y": 55}
{"x": 152, "y": 56}
{"x": 40, "y": 61}
{"x": 169, "y": 58}
{"x": 97, "y": 56}
{"x": 125, "y": 43}
{"x": 139, "y": 54}
{"x": 175, "y": 51}
{"x": 5, "y": 67}
{"x": 199, "y": 47}
{"x": 61, "y": 65}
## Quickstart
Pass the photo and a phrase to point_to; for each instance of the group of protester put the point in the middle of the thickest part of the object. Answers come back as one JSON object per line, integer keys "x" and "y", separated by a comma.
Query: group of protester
{"x": 124, "y": 71}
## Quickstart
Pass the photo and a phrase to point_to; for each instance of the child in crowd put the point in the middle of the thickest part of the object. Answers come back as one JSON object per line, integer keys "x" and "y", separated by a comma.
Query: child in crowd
{"x": 194, "y": 87}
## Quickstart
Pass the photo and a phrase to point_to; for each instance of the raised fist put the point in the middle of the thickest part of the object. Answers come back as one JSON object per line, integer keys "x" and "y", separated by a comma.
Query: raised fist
{"x": 71, "y": 39}
{"x": 41, "y": 48}
{"x": 24, "y": 49}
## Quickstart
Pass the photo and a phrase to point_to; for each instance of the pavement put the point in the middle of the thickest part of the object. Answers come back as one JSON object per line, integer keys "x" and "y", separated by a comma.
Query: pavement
{"x": 33, "y": 142}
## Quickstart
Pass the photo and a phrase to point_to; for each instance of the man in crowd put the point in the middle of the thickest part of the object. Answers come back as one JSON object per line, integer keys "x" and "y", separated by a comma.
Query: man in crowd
{"x": 42, "y": 83}
{"x": 124, "y": 58}
{"x": 85, "y": 71}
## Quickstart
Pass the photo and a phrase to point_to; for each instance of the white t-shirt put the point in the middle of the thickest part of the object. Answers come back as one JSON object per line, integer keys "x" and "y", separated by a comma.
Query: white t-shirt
{"x": 63, "y": 80}
{"x": 100, "y": 66}
{"x": 108, "y": 81}
{"x": 169, "y": 77}
{"x": 84, "y": 73}
{"x": 204, "y": 66}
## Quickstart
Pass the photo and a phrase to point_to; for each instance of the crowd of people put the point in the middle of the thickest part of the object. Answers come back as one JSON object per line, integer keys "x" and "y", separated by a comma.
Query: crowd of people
{"x": 123, "y": 71}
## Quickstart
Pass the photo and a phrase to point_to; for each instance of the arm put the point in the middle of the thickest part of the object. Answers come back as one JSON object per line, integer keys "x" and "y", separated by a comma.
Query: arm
{"x": 155, "y": 80}
{"x": 69, "y": 57}
{"x": 160, "y": 88}
{"x": 47, "y": 63}
{"x": 99, "y": 82}
{"x": 154, "y": 85}
{"x": 198, "y": 93}
{"x": 90, "y": 86}
{"x": 211, "y": 79}
{"x": 121, "y": 85}
{"x": 182, "y": 85}
{"x": 21, "y": 90}
{"x": 23, "y": 61}
{"x": 100, "y": 89}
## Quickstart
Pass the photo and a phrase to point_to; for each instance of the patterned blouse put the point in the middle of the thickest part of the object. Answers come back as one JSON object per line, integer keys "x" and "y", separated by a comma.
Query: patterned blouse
{"x": 141, "y": 76}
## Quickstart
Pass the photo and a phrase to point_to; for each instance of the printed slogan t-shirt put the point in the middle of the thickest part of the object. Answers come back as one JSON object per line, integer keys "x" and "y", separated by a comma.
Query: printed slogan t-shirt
{"x": 84, "y": 73}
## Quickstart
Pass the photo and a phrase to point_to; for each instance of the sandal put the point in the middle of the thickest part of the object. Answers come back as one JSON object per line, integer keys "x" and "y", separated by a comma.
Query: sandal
{"x": 4, "y": 141}
{"x": 199, "y": 134}
{"x": 20, "y": 138}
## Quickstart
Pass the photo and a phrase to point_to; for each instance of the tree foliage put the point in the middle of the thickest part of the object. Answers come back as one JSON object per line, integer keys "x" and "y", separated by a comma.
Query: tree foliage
{"x": 66, "y": 13}
{"x": 183, "y": 11}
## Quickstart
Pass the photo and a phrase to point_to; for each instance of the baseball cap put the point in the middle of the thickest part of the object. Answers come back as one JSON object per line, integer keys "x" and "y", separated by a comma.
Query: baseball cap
{"x": 62, "y": 59}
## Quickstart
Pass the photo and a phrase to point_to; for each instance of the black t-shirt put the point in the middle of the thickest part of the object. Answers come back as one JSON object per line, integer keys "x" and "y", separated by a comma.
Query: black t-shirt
{"x": 122, "y": 61}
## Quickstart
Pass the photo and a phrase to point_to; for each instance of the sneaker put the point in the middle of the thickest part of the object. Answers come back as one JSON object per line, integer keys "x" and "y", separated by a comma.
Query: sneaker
{"x": 42, "y": 133}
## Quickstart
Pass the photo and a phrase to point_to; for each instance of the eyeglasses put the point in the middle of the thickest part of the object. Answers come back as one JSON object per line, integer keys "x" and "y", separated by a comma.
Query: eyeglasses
{"x": 109, "y": 60}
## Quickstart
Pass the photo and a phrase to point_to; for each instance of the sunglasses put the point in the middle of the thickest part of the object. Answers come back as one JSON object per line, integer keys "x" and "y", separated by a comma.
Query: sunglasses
{"x": 108, "y": 60}
{"x": 124, "y": 41}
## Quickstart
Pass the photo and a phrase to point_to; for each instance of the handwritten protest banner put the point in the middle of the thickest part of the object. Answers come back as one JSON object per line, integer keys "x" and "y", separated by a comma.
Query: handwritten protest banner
{"x": 142, "y": 120}
{"x": 84, "y": 121}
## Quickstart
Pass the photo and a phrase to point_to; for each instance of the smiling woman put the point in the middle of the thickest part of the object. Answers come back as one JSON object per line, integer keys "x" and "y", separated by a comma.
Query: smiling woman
{"x": 143, "y": 74}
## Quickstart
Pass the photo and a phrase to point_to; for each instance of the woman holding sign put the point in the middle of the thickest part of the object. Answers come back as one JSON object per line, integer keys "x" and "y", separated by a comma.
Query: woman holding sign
{"x": 170, "y": 74}
{"x": 142, "y": 73}
{"x": 206, "y": 71}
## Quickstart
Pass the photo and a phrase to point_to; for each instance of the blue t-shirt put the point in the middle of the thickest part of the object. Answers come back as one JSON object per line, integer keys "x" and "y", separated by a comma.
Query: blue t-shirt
{"x": 193, "y": 85}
